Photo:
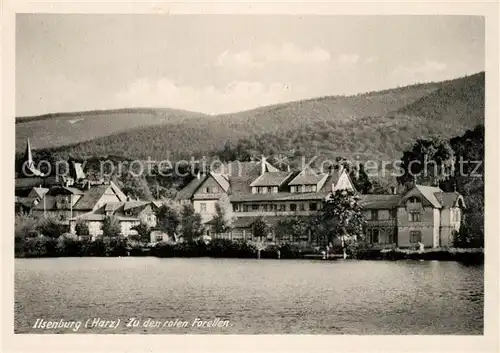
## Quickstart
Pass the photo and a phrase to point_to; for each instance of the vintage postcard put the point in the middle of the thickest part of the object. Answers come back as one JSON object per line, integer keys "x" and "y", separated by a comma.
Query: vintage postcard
{"x": 217, "y": 171}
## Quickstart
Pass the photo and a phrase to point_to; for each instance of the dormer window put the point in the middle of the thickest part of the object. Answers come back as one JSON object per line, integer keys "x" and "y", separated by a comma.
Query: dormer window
{"x": 414, "y": 199}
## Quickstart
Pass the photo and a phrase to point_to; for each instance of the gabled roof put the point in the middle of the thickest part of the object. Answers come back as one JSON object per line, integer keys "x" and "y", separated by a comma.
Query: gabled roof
{"x": 221, "y": 180}
{"x": 92, "y": 195}
{"x": 428, "y": 192}
{"x": 308, "y": 177}
{"x": 187, "y": 192}
{"x": 448, "y": 199}
{"x": 40, "y": 192}
{"x": 64, "y": 190}
{"x": 271, "y": 179}
{"x": 379, "y": 201}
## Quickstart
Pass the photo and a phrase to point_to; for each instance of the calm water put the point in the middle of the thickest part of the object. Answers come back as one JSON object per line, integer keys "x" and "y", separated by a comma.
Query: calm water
{"x": 255, "y": 296}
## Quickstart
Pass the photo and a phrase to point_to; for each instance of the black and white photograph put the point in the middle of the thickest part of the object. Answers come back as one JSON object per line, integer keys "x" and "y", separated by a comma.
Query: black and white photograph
{"x": 254, "y": 174}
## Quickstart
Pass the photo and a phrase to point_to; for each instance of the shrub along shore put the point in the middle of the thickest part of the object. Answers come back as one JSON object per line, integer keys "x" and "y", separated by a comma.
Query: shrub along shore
{"x": 40, "y": 246}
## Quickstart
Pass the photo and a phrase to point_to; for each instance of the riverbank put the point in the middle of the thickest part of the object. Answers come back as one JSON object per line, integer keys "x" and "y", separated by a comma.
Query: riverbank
{"x": 475, "y": 255}
{"x": 39, "y": 247}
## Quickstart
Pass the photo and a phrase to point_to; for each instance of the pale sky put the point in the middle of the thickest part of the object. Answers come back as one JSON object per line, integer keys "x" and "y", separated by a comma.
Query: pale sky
{"x": 226, "y": 63}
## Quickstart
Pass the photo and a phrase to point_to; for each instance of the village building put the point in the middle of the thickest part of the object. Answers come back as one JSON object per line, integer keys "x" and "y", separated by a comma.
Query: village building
{"x": 423, "y": 215}
{"x": 128, "y": 213}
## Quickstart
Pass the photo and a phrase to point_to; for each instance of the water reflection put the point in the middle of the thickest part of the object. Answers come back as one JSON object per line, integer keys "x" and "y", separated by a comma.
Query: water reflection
{"x": 257, "y": 296}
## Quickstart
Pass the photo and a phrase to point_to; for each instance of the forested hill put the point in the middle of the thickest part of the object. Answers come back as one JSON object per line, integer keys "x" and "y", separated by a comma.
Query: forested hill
{"x": 59, "y": 129}
{"x": 372, "y": 125}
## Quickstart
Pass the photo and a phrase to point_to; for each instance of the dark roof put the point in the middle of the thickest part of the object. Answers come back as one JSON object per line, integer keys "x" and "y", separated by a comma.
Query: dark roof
{"x": 307, "y": 177}
{"x": 271, "y": 179}
{"x": 92, "y": 196}
{"x": 447, "y": 199}
{"x": 379, "y": 201}
{"x": 280, "y": 196}
{"x": 40, "y": 192}
{"x": 29, "y": 183}
{"x": 25, "y": 201}
{"x": 240, "y": 185}
{"x": 244, "y": 169}
{"x": 188, "y": 191}
{"x": 128, "y": 205}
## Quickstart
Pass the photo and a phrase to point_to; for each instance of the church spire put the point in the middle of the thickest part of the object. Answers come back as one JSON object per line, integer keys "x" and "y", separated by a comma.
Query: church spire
{"x": 28, "y": 162}
{"x": 28, "y": 157}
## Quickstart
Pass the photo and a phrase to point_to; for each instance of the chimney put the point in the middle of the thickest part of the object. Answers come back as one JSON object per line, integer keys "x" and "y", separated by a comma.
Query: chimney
{"x": 394, "y": 190}
{"x": 288, "y": 168}
{"x": 198, "y": 176}
{"x": 262, "y": 165}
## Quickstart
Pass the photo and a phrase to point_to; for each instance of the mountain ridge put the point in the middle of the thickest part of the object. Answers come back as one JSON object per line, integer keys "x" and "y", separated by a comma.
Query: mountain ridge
{"x": 390, "y": 119}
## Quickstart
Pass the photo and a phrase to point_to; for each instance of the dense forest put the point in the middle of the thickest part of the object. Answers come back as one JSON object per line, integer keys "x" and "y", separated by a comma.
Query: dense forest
{"x": 377, "y": 125}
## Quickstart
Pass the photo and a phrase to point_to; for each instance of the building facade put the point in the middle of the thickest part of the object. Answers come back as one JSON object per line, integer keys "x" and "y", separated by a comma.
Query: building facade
{"x": 423, "y": 215}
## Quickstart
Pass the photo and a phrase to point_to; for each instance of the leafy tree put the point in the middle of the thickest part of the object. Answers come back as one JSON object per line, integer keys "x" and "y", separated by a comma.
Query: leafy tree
{"x": 168, "y": 220}
{"x": 223, "y": 216}
{"x": 341, "y": 217}
{"x": 82, "y": 228}
{"x": 260, "y": 228}
{"x": 191, "y": 225}
{"x": 111, "y": 227}
{"x": 296, "y": 228}
{"x": 430, "y": 161}
{"x": 51, "y": 228}
{"x": 143, "y": 231}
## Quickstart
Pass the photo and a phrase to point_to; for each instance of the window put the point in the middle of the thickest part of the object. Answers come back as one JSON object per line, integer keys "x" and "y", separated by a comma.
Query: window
{"x": 269, "y": 189}
{"x": 302, "y": 207}
{"x": 275, "y": 189}
{"x": 374, "y": 215}
{"x": 246, "y": 208}
{"x": 415, "y": 236}
{"x": 293, "y": 188}
{"x": 313, "y": 206}
{"x": 368, "y": 215}
{"x": 264, "y": 208}
{"x": 255, "y": 207}
{"x": 282, "y": 207}
{"x": 215, "y": 190}
{"x": 293, "y": 207}
{"x": 236, "y": 207}
{"x": 61, "y": 217}
{"x": 375, "y": 233}
{"x": 203, "y": 207}
{"x": 207, "y": 190}
{"x": 383, "y": 214}
{"x": 159, "y": 238}
{"x": 414, "y": 217}
{"x": 274, "y": 207}
{"x": 414, "y": 199}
